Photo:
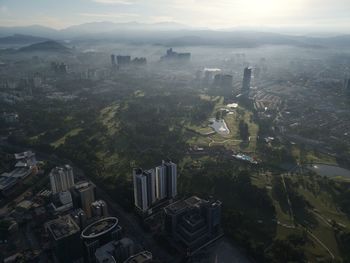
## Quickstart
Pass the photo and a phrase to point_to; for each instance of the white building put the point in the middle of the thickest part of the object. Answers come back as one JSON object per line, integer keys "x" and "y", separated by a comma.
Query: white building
{"x": 61, "y": 179}
{"x": 166, "y": 180}
{"x": 144, "y": 188}
{"x": 154, "y": 185}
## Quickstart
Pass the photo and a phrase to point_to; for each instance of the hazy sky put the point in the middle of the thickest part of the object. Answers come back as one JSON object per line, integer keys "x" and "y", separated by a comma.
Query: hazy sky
{"x": 320, "y": 14}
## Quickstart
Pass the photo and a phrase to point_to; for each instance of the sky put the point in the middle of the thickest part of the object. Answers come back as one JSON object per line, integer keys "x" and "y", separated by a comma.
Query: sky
{"x": 325, "y": 15}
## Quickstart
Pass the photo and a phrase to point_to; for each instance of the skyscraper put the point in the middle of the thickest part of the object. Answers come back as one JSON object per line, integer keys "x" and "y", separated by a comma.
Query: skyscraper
{"x": 84, "y": 196}
{"x": 246, "y": 80}
{"x": 144, "y": 188}
{"x": 61, "y": 179}
{"x": 113, "y": 61}
{"x": 166, "y": 180}
{"x": 347, "y": 86}
{"x": 64, "y": 234}
{"x": 154, "y": 185}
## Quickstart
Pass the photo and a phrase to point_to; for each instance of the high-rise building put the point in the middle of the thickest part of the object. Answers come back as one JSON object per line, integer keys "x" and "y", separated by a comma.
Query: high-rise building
{"x": 246, "y": 80}
{"x": 65, "y": 237}
{"x": 347, "y": 86}
{"x": 154, "y": 185}
{"x": 84, "y": 195}
{"x": 123, "y": 60}
{"x": 175, "y": 56}
{"x": 113, "y": 62}
{"x": 98, "y": 234}
{"x": 223, "y": 81}
{"x": 166, "y": 180}
{"x": 193, "y": 222}
{"x": 144, "y": 188}
{"x": 115, "y": 251}
{"x": 61, "y": 179}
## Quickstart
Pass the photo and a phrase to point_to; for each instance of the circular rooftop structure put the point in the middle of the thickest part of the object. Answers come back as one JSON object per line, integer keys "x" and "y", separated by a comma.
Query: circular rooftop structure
{"x": 99, "y": 228}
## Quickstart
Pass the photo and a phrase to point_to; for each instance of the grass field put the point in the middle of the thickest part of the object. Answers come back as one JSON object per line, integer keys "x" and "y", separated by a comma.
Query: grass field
{"x": 62, "y": 140}
{"x": 231, "y": 141}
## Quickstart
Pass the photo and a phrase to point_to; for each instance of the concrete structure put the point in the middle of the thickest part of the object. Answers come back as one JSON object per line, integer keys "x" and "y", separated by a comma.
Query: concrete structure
{"x": 64, "y": 233}
{"x": 193, "y": 222}
{"x": 84, "y": 194}
{"x": 98, "y": 234}
{"x": 61, "y": 179}
{"x": 247, "y": 77}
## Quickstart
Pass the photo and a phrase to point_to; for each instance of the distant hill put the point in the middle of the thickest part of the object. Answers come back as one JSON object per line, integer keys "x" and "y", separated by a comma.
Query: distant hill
{"x": 168, "y": 34}
{"x": 46, "y": 46}
{"x": 19, "y": 39}
{"x": 33, "y": 30}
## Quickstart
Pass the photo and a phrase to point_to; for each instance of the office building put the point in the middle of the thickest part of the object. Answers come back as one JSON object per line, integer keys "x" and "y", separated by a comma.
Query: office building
{"x": 84, "y": 194}
{"x": 193, "y": 222}
{"x": 144, "y": 188}
{"x": 61, "y": 202}
{"x": 347, "y": 86}
{"x": 175, "y": 56}
{"x": 65, "y": 239}
{"x": 209, "y": 75}
{"x": 113, "y": 61}
{"x": 247, "y": 76}
{"x": 98, "y": 234}
{"x": 139, "y": 61}
{"x": 115, "y": 251}
{"x": 166, "y": 180}
{"x": 223, "y": 81}
{"x": 25, "y": 166}
{"x": 123, "y": 60}
{"x": 61, "y": 179}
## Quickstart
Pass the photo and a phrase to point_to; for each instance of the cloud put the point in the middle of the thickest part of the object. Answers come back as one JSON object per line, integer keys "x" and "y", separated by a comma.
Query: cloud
{"x": 4, "y": 9}
{"x": 114, "y": 2}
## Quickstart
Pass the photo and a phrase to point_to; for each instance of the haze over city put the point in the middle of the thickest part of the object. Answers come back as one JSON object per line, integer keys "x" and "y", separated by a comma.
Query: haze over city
{"x": 179, "y": 131}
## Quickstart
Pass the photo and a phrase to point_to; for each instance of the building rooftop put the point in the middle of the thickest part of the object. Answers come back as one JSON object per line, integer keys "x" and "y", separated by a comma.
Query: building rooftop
{"x": 62, "y": 227}
{"x": 7, "y": 182}
{"x": 104, "y": 254}
{"x": 99, "y": 227}
{"x": 141, "y": 257}
{"x": 79, "y": 186}
{"x": 24, "y": 155}
{"x": 184, "y": 204}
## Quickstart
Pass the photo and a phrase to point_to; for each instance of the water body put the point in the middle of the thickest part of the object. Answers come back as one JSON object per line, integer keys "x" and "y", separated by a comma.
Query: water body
{"x": 219, "y": 126}
{"x": 329, "y": 170}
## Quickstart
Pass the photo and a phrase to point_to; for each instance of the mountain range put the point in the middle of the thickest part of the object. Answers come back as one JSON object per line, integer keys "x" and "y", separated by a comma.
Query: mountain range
{"x": 168, "y": 33}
